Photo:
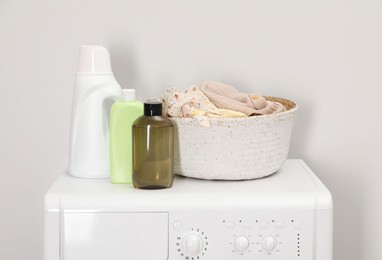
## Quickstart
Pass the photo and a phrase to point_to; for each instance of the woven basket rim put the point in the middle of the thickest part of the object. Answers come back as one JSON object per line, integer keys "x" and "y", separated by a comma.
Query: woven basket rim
{"x": 291, "y": 107}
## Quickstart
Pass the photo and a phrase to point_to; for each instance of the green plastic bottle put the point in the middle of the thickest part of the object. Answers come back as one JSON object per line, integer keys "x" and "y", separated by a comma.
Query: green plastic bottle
{"x": 122, "y": 115}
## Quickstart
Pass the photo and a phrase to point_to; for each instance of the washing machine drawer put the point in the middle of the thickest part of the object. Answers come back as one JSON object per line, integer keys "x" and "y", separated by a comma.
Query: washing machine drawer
{"x": 102, "y": 236}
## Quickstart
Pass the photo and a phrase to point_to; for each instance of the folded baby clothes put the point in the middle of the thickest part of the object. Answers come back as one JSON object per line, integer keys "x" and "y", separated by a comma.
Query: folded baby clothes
{"x": 193, "y": 103}
{"x": 189, "y": 103}
{"x": 230, "y": 113}
{"x": 227, "y": 97}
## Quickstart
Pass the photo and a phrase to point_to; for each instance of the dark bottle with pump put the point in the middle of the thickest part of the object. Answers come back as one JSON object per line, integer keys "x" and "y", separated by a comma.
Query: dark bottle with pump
{"x": 153, "y": 149}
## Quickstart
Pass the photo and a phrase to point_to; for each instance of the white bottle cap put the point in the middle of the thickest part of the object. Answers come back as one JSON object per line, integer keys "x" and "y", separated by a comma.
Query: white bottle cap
{"x": 128, "y": 94}
{"x": 94, "y": 60}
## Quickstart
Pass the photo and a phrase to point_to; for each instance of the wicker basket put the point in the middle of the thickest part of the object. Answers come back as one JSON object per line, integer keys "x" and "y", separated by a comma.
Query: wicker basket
{"x": 234, "y": 148}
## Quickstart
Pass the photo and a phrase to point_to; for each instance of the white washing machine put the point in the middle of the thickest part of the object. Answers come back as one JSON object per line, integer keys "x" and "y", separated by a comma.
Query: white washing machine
{"x": 286, "y": 216}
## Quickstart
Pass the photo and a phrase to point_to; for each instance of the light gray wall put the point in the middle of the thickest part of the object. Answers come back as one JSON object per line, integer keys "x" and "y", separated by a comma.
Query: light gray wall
{"x": 326, "y": 55}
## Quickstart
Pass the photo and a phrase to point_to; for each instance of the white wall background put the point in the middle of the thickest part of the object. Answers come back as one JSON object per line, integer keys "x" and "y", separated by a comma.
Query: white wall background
{"x": 326, "y": 55}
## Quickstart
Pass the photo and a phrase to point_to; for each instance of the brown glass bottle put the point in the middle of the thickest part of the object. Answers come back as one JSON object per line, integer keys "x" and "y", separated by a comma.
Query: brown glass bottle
{"x": 153, "y": 149}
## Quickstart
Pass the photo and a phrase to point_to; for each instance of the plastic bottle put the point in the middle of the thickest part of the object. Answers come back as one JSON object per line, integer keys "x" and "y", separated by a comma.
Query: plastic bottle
{"x": 153, "y": 149}
{"x": 95, "y": 91}
{"x": 122, "y": 116}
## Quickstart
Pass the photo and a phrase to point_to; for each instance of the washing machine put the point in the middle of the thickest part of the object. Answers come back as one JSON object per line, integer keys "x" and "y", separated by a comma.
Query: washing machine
{"x": 286, "y": 216}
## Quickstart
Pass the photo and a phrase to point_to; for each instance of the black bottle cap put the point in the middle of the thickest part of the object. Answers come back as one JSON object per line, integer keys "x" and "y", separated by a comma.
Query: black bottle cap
{"x": 153, "y": 108}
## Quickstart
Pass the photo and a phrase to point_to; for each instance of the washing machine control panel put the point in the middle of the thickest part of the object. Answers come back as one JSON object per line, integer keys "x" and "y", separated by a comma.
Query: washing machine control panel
{"x": 249, "y": 235}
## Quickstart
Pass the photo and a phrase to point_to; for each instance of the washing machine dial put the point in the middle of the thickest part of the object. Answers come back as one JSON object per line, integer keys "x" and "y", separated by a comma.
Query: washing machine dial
{"x": 241, "y": 243}
{"x": 192, "y": 244}
{"x": 269, "y": 243}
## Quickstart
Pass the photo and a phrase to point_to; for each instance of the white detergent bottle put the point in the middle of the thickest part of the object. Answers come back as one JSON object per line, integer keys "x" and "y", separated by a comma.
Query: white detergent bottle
{"x": 95, "y": 91}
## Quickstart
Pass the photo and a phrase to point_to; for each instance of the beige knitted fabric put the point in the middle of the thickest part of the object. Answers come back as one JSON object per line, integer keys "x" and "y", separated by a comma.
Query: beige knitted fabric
{"x": 227, "y": 97}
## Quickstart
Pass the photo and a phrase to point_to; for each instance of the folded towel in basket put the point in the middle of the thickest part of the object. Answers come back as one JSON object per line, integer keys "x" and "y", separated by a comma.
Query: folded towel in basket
{"x": 193, "y": 103}
{"x": 227, "y": 97}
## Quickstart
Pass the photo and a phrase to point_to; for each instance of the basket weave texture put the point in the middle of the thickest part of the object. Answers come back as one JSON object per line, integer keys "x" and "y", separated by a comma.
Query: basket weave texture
{"x": 234, "y": 148}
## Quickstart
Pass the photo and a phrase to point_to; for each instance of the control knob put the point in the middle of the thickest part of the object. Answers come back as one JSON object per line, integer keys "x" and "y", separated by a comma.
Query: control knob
{"x": 241, "y": 243}
{"x": 269, "y": 243}
{"x": 192, "y": 244}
